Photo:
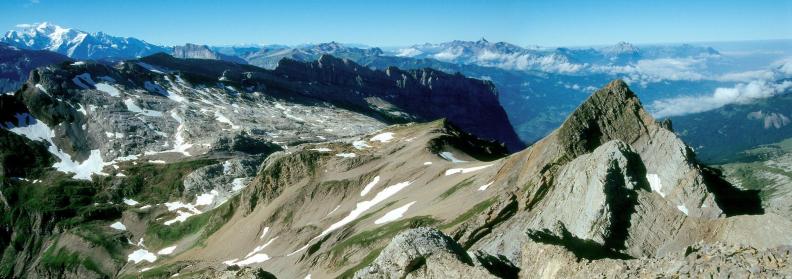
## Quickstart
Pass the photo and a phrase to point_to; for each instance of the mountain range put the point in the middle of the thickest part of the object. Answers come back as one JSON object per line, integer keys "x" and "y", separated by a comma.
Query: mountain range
{"x": 122, "y": 159}
{"x": 78, "y": 44}
{"x": 161, "y": 167}
{"x": 537, "y": 86}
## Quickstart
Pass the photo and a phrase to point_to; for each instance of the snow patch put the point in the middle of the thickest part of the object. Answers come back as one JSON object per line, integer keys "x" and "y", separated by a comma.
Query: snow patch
{"x": 118, "y": 226}
{"x": 179, "y": 143}
{"x": 221, "y": 118}
{"x": 109, "y": 89}
{"x": 485, "y": 186}
{"x": 81, "y": 80}
{"x": 151, "y": 68}
{"x": 655, "y": 184}
{"x": 33, "y": 129}
{"x": 466, "y": 170}
{"x": 369, "y": 186}
{"x": 321, "y": 149}
{"x": 167, "y": 250}
{"x": 132, "y": 107}
{"x": 40, "y": 87}
{"x": 394, "y": 215}
{"x": 384, "y": 137}
{"x": 360, "y": 145}
{"x": 206, "y": 198}
{"x": 450, "y": 157}
{"x": 140, "y": 255}
{"x": 237, "y": 184}
{"x": 82, "y": 110}
{"x": 227, "y": 167}
{"x": 264, "y": 232}
{"x": 366, "y": 205}
{"x": 346, "y": 155}
{"x": 181, "y": 217}
{"x": 257, "y": 258}
{"x": 130, "y": 202}
{"x": 260, "y": 247}
{"x": 334, "y": 210}
{"x": 683, "y": 208}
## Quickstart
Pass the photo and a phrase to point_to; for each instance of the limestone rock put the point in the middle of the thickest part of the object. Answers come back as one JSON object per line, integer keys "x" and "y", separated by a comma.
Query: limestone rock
{"x": 423, "y": 253}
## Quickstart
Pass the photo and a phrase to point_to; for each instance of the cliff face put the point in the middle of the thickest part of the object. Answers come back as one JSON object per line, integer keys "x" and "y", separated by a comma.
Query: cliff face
{"x": 420, "y": 95}
{"x": 194, "y": 51}
{"x": 16, "y": 64}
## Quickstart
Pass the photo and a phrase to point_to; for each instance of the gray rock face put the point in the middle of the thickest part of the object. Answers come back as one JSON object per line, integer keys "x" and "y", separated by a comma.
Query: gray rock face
{"x": 614, "y": 112}
{"x": 614, "y": 178}
{"x": 203, "y": 52}
{"x": 716, "y": 260}
{"x": 471, "y": 104}
{"x": 597, "y": 192}
{"x": 224, "y": 179}
{"x": 16, "y": 64}
{"x": 423, "y": 253}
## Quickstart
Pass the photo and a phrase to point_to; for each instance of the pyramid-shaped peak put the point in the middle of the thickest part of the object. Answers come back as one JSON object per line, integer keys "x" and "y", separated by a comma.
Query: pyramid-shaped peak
{"x": 613, "y": 112}
{"x": 617, "y": 84}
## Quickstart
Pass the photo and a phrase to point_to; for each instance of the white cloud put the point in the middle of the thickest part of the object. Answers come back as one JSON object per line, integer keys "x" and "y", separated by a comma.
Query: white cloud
{"x": 747, "y": 76}
{"x": 647, "y": 71}
{"x": 784, "y": 66}
{"x": 739, "y": 94}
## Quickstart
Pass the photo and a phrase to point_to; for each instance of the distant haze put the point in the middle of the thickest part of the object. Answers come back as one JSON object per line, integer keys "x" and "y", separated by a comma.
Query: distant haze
{"x": 401, "y": 23}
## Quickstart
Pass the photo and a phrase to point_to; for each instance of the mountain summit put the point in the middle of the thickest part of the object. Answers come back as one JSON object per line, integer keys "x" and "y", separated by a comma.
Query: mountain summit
{"x": 77, "y": 44}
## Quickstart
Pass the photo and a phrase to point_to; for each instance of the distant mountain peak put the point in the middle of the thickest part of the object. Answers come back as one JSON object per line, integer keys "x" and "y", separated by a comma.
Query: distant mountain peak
{"x": 76, "y": 43}
{"x": 621, "y": 48}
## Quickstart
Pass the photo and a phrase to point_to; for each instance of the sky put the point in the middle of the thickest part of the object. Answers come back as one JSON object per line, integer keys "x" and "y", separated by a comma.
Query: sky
{"x": 407, "y": 22}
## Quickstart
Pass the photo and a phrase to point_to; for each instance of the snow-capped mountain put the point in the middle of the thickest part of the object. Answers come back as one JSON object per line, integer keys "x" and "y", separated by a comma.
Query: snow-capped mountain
{"x": 78, "y": 44}
{"x": 556, "y": 60}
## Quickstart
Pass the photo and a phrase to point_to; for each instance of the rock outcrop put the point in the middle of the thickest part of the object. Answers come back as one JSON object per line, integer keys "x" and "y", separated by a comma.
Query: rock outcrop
{"x": 423, "y": 253}
{"x": 717, "y": 260}
{"x": 469, "y": 103}
{"x": 203, "y": 52}
{"x": 16, "y": 64}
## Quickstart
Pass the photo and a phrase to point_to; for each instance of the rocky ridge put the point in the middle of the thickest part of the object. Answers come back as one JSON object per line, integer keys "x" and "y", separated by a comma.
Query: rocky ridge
{"x": 420, "y": 199}
{"x": 203, "y": 52}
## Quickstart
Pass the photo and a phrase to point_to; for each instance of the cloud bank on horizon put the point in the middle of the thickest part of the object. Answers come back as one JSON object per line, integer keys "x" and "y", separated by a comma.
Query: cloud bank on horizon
{"x": 765, "y": 84}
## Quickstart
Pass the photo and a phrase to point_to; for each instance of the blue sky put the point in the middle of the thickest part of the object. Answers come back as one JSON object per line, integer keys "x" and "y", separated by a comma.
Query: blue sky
{"x": 406, "y": 22}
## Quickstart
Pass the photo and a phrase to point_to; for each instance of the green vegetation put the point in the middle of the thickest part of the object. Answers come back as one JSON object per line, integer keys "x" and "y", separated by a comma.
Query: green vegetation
{"x": 462, "y": 184}
{"x": 368, "y": 259}
{"x": 62, "y": 259}
{"x": 156, "y": 183}
{"x": 163, "y": 271}
{"x": 7, "y": 263}
{"x": 470, "y": 213}
{"x": 81, "y": 207}
{"x": 159, "y": 234}
{"x": 748, "y": 166}
{"x": 383, "y": 233}
{"x": 95, "y": 233}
